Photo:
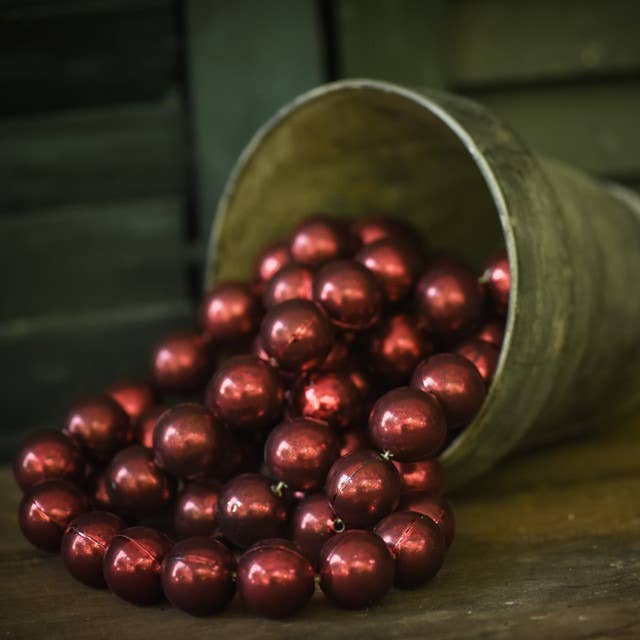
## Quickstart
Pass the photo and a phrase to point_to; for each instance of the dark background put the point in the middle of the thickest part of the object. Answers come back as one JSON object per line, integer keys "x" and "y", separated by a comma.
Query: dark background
{"x": 120, "y": 120}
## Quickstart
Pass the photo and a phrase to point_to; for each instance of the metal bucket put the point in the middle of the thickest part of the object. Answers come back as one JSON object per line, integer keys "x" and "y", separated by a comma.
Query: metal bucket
{"x": 571, "y": 353}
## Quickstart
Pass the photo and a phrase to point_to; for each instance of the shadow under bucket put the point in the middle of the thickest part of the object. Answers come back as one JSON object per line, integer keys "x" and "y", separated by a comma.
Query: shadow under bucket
{"x": 571, "y": 353}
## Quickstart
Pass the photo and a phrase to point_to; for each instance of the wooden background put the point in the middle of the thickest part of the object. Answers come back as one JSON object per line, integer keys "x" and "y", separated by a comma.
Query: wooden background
{"x": 120, "y": 120}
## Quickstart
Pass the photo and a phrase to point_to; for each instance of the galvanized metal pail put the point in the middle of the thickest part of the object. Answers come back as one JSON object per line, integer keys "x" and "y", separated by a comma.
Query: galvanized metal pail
{"x": 571, "y": 354}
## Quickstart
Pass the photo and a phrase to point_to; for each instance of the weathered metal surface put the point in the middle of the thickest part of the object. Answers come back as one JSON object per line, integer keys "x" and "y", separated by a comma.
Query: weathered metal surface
{"x": 572, "y": 349}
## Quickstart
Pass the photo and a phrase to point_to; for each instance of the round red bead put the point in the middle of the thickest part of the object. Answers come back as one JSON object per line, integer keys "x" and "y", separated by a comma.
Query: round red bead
{"x": 134, "y": 397}
{"x": 248, "y": 510}
{"x": 483, "y": 355}
{"x": 293, "y": 282}
{"x": 497, "y": 280}
{"x": 448, "y": 298}
{"x": 417, "y": 544}
{"x": 455, "y": 382}
{"x": 373, "y": 228}
{"x": 436, "y": 508}
{"x": 407, "y": 423}
{"x": 194, "y": 513}
{"x": 198, "y": 576}
{"x": 317, "y": 240}
{"x": 99, "y": 425}
{"x": 145, "y": 425}
{"x": 230, "y": 312}
{"x": 299, "y": 453}
{"x": 329, "y": 396}
{"x": 297, "y": 335}
{"x": 492, "y": 332}
{"x": 133, "y": 562}
{"x": 314, "y": 522}
{"x": 181, "y": 363}
{"x": 135, "y": 484}
{"x": 47, "y": 455}
{"x": 395, "y": 265}
{"x": 246, "y": 393}
{"x": 396, "y": 346}
{"x": 349, "y": 293}
{"x": 422, "y": 475}
{"x": 85, "y": 543}
{"x": 187, "y": 442}
{"x": 356, "y": 569}
{"x": 45, "y": 512}
{"x": 274, "y": 579}
{"x": 270, "y": 260}
{"x": 362, "y": 488}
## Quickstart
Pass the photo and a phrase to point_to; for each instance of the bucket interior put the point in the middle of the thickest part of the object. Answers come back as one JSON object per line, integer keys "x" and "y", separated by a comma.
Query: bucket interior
{"x": 350, "y": 152}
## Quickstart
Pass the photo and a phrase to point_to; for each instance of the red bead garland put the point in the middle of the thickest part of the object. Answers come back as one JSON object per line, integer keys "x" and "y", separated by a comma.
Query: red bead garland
{"x": 340, "y": 335}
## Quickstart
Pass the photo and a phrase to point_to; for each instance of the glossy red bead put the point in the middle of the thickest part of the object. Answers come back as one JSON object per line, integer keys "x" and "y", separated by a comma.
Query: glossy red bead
{"x": 194, "y": 513}
{"x": 492, "y": 331}
{"x": 423, "y": 475}
{"x": 249, "y": 510}
{"x": 362, "y": 488}
{"x": 270, "y": 260}
{"x": 85, "y": 543}
{"x": 356, "y": 569}
{"x": 181, "y": 363}
{"x": 132, "y": 564}
{"x": 198, "y": 575}
{"x": 497, "y": 281}
{"x": 299, "y": 453}
{"x": 372, "y": 228}
{"x": 187, "y": 441}
{"x": 437, "y": 508}
{"x": 230, "y": 311}
{"x": 47, "y": 509}
{"x": 99, "y": 426}
{"x": 483, "y": 355}
{"x": 293, "y": 282}
{"x": 394, "y": 263}
{"x": 134, "y": 397}
{"x": 329, "y": 396}
{"x": 353, "y": 440}
{"x": 317, "y": 240}
{"x": 395, "y": 347}
{"x": 314, "y": 522}
{"x": 136, "y": 485}
{"x": 417, "y": 545}
{"x": 349, "y": 293}
{"x": 407, "y": 423}
{"x": 47, "y": 455}
{"x": 145, "y": 425}
{"x": 456, "y": 384}
{"x": 99, "y": 497}
{"x": 449, "y": 298}
{"x": 297, "y": 335}
{"x": 274, "y": 579}
{"x": 246, "y": 393}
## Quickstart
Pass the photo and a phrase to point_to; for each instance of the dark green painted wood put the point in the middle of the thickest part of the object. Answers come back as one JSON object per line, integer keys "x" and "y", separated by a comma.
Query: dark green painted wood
{"x": 91, "y": 155}
{"x": 83, "y": 258}
{"x": 501, "y": 41}
{"x": 246, "y": 59}
{"x": 61, "y": 59}
{"x": 55, "y": 359}
{"x": 594, "y": 127}
{"x": 402, "y": 41}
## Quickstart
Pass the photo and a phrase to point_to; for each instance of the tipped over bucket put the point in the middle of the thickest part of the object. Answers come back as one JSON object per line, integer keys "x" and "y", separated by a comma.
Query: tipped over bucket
{"x": 571, "y": 353}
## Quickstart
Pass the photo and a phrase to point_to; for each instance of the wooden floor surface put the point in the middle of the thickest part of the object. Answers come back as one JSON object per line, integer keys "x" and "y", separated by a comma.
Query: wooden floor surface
{"x": 548, "y": 547}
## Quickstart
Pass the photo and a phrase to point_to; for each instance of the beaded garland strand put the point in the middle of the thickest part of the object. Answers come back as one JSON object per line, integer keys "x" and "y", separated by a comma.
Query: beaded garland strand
{"x": 339, "y": 323}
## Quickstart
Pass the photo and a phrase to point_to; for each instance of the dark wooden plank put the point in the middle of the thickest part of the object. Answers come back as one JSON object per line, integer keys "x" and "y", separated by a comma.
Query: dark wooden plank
{"x": 276, "y": 53}
{"x": 594, "y": 127}
{"x": 402, "y": 41}
{"x": 61, "y": 357}
{"x": 52, "y": 60}
{"x": 556, "y": 561}
{"x": 498, "y": 41}
{"x": 91, "y": 257}
{"x": 92, "y": 155}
